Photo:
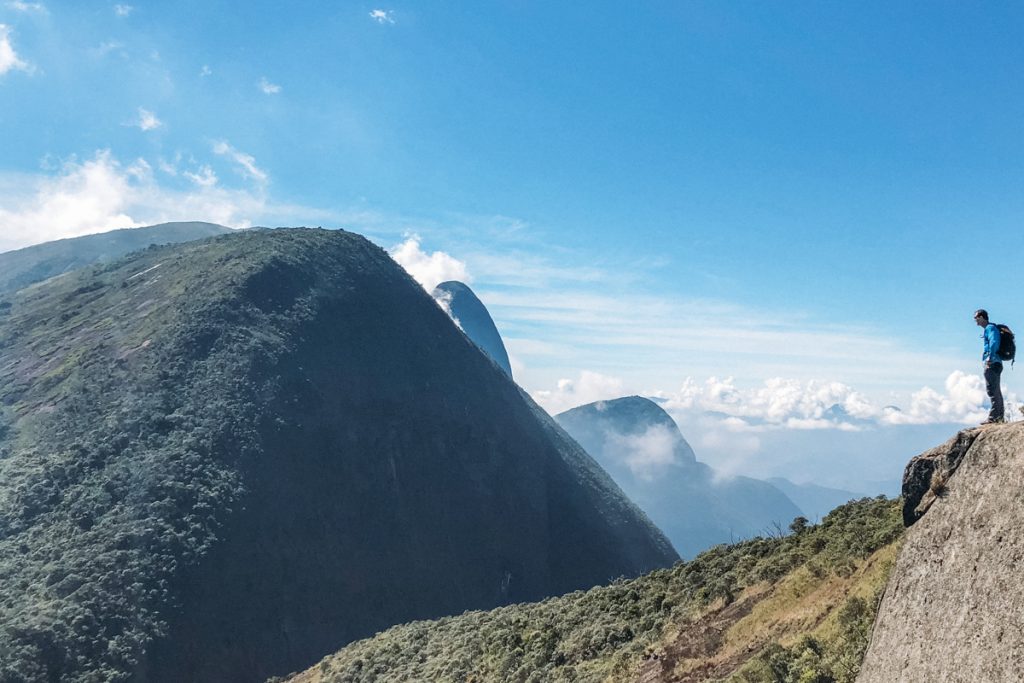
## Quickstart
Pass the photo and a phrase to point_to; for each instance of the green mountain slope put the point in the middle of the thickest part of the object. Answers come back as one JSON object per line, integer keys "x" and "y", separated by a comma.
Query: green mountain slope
{"x": 40, "y": 262}
{"x": 793, "y": 608}
{"x": 221, "y": 459}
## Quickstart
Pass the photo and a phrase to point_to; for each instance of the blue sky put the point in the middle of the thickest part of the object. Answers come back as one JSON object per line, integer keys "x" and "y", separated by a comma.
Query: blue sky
{"x": 641, "y": 192}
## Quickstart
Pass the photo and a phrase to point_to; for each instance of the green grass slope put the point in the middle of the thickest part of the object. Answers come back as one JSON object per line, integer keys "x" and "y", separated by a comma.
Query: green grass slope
{"x": 219, "y": 459}
{"x": 795, "y": 608}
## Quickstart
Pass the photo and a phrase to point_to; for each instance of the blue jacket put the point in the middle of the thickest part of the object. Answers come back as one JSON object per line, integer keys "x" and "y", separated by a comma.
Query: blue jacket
{"x": 991, "y": 337}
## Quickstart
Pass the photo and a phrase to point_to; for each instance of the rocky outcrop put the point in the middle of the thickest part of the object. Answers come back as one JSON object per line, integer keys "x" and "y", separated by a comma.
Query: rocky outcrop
{"x": 951, "y": 610}
{"x": 925, "y": 476}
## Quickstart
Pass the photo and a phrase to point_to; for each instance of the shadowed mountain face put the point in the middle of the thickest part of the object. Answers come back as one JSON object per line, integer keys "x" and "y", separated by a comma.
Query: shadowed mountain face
{"x": 641, "y": 447}
{"x": 24, "y": 267}
{"x": 474, "y": 320}
{"x": 221, "y": 460}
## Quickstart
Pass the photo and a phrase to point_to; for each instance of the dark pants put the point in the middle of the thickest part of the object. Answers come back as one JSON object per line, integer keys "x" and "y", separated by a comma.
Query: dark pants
{"x": 995, "y": 394}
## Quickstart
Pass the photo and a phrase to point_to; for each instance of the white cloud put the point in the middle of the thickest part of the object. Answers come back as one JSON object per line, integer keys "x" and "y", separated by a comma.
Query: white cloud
{"x": 246, "y": 162}
{"x": 382, "y": 16}
{"x": 101, "y": 193}
{"x": 206, "y": 70}
{"x": 588, "y": 387}
{"x": 964, "y": 401}
{"x": 9, "y": 59}
{"x": 20, "y": 6}
{"x": 123, "y": 10}
{"x": 268, "y": 88}
{"x": 428, "y": 269}
{"x": 791, "y": 404}
{"x": 147, "y": 120}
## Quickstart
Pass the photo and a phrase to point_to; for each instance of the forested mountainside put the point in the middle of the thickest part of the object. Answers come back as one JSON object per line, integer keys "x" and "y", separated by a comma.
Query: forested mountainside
{"x": 774, "y": 609}
{"x": 221, "y": 460}
{"x": 641, "y": 447}
{"x": 39, "y": 262}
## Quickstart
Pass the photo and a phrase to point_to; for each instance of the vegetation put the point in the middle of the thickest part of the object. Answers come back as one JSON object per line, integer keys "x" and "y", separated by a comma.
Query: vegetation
{"x": 609, "y": 633}
{"x": 129, "y": 393}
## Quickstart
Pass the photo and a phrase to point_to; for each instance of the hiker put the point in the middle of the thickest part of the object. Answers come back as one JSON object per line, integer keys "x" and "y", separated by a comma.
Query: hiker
{"x": 993, "y": 365}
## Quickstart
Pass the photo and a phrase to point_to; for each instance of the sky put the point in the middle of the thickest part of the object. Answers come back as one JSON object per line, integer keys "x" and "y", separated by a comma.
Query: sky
{"x": 754, "y": 211}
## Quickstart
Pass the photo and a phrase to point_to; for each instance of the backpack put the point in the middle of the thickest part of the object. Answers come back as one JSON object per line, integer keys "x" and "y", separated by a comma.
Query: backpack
{"x": 1007, "y": 347}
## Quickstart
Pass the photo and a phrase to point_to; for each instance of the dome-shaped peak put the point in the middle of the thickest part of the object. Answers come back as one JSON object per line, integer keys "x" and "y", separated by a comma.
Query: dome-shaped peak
{"x": 472, "y": 316}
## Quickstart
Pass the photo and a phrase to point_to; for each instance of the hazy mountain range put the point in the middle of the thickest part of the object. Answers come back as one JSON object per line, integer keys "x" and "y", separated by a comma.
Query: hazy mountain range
{"x": 641, "y": 447}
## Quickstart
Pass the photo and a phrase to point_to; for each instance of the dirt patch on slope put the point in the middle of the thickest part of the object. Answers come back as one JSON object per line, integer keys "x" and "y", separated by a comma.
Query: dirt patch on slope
{"x": 702, "y": 639}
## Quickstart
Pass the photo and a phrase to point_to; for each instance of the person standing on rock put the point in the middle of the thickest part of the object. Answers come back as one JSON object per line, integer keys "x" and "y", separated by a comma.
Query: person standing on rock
{"x": 993, "y": 366}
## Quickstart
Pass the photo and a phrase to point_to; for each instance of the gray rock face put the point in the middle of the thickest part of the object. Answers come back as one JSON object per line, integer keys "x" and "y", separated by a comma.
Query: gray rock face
{"x": 475, "y": 321}
{"x": 926, "y": 474}
{"x": 952, "y": 607}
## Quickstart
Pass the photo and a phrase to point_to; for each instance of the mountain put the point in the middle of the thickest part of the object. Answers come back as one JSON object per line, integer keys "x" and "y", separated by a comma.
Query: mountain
{"x": 641, "y": 447}
{"x": 24, "y": 267}
{"x": 767, "y": 610}
{"x": 952, "y": 608}
{"x": 815, "y": 501}
{"x": 222, "y": 459}
{"x": 472, "y": 317}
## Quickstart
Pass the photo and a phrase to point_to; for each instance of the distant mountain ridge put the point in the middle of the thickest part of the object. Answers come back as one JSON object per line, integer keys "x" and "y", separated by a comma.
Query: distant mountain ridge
{"x": 222, "y": 459}
{"x": 813, "y": 500}
{"x": 23, "y": 267}
{"x": 641, "y": 447}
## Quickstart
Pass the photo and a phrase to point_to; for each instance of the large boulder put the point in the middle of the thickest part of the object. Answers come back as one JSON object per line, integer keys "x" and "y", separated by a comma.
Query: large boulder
{"x": 952, "y": 608}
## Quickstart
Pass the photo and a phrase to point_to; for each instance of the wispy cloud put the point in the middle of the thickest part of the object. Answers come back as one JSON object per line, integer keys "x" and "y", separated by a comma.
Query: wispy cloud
{"x": 429, "y": 269}
{"x": 107, "y": 47}
{"x": 147, "y": 120}
{"x": 268, "y": 88}
{"x": 203, "y": 177}
{"x": 382, "y": 16}
{"x": 205, "y": 71}
{"x": 246, "y": 162}
{"x": 646, "y": 454}
{"x": 123, "y": 10}
{"x": 20, "y": 6}
{"x": 9, "y": 59}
